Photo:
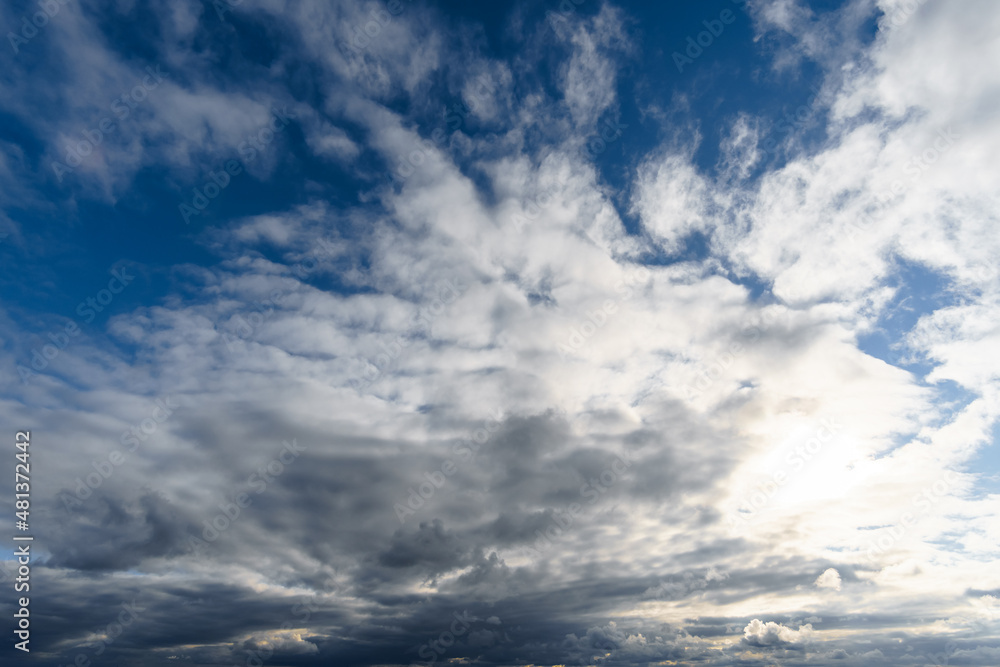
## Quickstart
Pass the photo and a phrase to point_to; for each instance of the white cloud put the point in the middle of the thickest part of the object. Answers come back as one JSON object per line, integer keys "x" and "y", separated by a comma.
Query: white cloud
{"x": 757, "y": 633}
{"x": 829, "y": 579}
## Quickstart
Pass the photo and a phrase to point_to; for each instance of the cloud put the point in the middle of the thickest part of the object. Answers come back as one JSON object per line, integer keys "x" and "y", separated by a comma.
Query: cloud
{"x": 829, "y": 579}
{"x": 604, "y": 385}
{"x": 589, "y": 79}
{"x": 772, "y": 634}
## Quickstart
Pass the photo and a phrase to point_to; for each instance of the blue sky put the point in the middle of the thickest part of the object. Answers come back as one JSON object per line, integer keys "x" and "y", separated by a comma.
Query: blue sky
{"x": 467, "y": 261}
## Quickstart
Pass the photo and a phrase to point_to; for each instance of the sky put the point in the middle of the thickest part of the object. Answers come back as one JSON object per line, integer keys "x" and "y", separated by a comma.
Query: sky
{"x": 514, "y": 333}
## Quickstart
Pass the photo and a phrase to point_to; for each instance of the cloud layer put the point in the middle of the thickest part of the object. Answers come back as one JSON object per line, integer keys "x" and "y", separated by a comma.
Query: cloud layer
{"x": 496, "y": 351}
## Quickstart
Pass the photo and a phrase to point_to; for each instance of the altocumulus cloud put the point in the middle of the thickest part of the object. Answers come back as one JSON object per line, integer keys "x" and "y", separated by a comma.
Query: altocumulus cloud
{"x": 666, "y": 278}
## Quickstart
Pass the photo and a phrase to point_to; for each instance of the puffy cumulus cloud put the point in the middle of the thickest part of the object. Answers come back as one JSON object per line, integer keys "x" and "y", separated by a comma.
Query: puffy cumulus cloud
{"x": 775, "y": 634}
{"x": 829, "y": 579}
